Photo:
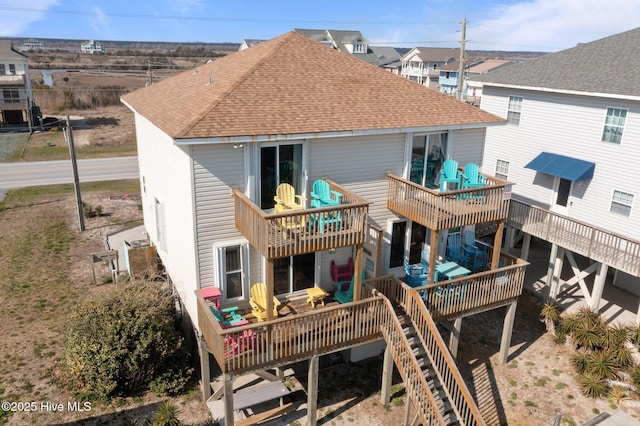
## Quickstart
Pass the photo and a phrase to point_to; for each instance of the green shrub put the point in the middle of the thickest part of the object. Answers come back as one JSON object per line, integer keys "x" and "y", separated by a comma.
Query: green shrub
{"x": 126, "y": 342}
{"x": 594, "y": 386}
{"x": 166, "y": 415}
{"x": 602, "y": 364}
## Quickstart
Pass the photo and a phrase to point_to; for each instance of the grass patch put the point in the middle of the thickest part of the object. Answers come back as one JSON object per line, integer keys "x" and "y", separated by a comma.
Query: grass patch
{"x": 528, "y": 403}
{"x": 51, "y": 145}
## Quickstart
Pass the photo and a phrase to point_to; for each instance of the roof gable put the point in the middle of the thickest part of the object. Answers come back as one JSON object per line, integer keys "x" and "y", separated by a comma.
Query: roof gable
{"x": 294, "y": 85}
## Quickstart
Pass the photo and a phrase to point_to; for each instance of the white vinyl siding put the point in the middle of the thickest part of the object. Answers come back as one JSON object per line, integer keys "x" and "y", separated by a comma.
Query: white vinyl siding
{"x": 579, "y": 137}
{"x": 216, "y": 169}
{"x": 614, "y": 125}
{"x": 621, "y": 203}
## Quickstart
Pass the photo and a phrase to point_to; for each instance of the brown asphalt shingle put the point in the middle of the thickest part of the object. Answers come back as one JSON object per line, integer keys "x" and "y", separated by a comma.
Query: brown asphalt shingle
{"x": 292, "y": 85}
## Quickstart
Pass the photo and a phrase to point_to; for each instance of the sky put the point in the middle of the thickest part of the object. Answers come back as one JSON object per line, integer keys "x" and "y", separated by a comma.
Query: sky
{"x": 511, "y": 25}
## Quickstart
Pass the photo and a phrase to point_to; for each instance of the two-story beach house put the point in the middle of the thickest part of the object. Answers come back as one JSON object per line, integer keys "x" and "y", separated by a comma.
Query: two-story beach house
{"x": 16, "y": 97}
{"x": 422, "y": 64}
{"x": 572, "y": 143}
{"x": 287, "y": 186}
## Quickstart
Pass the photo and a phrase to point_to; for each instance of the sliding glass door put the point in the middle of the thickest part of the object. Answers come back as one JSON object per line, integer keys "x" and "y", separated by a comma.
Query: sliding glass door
{"x": 279, "y": 164}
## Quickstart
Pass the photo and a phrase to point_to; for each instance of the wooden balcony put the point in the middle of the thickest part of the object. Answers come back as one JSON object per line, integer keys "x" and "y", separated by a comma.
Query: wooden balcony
{"x": 615, "y": 250}
{"x": 464, "y": 296}
{"x": 294, "y": 337}
{"x": 443, "y": 210}
{"x": 295, "y": 232}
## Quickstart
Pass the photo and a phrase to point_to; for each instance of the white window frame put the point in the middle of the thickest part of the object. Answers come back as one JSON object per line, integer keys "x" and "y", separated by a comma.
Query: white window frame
{"x": 616, "y": 118}
{"x": 12, "y": 69}
{"x": 623, "y": 202}
{"x": 220, "y": 272}
{"x": 514, "y": 110}
{"x": 161, "y": 224}
{"x": 502, "y": 169}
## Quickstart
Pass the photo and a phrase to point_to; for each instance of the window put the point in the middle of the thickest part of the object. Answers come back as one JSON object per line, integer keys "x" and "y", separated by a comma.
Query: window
{"x": 12, "y": 69}
{"x": 502, "y": 169}
{"x": 621, "y": 203}
{"x": 295, "y": 273}
{"x": 359, "y": 47}
{"x": 515, "y": 110}
{"x": 161, "y": 229}
{"x": 3, "y": 70}
{"x": 232, "y": 260}
{"x": 427, "y": 154}
{"x": 279, "y": 164}
{"x": 11, "y": 96}
{"x": 614, "y": 125}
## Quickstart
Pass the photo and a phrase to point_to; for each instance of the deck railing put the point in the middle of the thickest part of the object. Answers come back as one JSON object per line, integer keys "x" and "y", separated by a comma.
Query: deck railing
{"x": 292, "y": 338}
{"x": 615, "y": 250}
{"x": 443, "y": 210}
{"x": 441, "y": 361}
{"x": 295, "y": 232}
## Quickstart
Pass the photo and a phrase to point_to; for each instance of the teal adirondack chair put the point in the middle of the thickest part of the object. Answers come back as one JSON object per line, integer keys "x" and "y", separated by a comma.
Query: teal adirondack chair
{"x": 346, "y": 296}
{"x": 454, "y": 252}
{"x": 449, "y": 173}
{"x": 323, "y": 196}
{"x": 471, "y": 177}
{"x": 235, "y": 319}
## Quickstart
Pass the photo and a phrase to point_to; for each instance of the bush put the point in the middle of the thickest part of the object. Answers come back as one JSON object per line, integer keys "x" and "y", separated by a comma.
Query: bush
{"x": 126, "y": 342}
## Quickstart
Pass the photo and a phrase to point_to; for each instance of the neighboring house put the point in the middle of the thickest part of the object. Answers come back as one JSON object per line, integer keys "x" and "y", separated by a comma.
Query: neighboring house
{"x": 290, "y": 110}
{"x": 16, "y": 96}
{"x": 355, "y": 44}
{"x": 91, "y": 47}
{"x": 422, "y": 64}
{"x": 448, "y": 80}
{"x": 247, "y": 43}
{"x": 473, "y": 92}
{"x": 28, "y": 45}
{"x": 572, "y": 144}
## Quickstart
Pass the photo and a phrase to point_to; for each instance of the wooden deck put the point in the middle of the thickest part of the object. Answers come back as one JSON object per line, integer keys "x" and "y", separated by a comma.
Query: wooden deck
{"x": 295, "y": 232}
{"x": 443, "y": 210}
{"x": 615, "y": 250}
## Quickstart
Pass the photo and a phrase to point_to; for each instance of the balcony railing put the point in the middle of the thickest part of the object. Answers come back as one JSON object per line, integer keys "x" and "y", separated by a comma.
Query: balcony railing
{"x": 587, "y": 240}
{"x": 292, "y": 338}
{"x": 14, "y": 103}
{"x": 463, "y": 296}
{"x": 443, "y": 210}
{"x": 295, "y": 232}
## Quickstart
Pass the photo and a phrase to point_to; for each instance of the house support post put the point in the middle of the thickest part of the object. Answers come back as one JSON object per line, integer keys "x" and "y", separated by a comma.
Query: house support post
{"x": 454, "y": 339}
{"x": 228, "y": 399}
{"x": 507, "y": 329}
{"x": 557, "y": 272}
{"x": 387, "y": 376}
{"x": 357, "y": 273}
{"x": 550, "y": 269}
{"x": 526, "y": 245}
{"x": 205, "y": 372}
{"x": 312, "y": 392}
{"x": 433, "y": 254}
{"x": 269, "y": 305}
{"x": 497, "y": 246}
{"x": 598, "y": 287}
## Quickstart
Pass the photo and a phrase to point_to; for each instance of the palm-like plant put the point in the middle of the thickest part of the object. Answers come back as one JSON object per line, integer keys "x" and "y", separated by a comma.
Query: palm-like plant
{"x": 602, "y": 364}
{"x": 588, "y": 335}
{"x": 594, "y": 386}
{"x": 551, "y": 316}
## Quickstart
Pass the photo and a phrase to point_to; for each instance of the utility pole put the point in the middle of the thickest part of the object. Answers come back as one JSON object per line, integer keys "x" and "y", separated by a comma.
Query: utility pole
{"x": 150, "y": 82}
{"x": 461, "y": 67}
{"x": 76, "y": 180}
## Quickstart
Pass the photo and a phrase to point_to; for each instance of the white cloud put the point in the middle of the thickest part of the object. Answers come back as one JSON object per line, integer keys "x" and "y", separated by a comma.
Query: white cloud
{"x": 14, "y": 20}
{"x": 551, "y": 25}
{"x": 100, "y": 22}
{"x": 186, "y": 6}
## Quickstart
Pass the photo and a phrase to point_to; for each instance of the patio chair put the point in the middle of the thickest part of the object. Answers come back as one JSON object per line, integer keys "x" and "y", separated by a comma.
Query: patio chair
{"x": 346, "y": 296}
{"x": 471, "y": 177}
{"x": 454, "y": 252}
{"x": 258, "y": 302}
{"x": 415, "y": 275}
{"x": 287, "y": 198}
{"x": 449, "y": 173}
{"x": 235, "y": 319}
{"x": 323, "y": 196}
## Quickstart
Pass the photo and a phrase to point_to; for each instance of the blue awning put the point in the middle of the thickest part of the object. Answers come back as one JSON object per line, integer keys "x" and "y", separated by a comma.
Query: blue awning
{"x": 562, "y": 166}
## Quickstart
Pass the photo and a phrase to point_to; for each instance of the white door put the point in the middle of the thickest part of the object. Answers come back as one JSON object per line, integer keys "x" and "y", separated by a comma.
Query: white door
{"x": 562, "y": 190}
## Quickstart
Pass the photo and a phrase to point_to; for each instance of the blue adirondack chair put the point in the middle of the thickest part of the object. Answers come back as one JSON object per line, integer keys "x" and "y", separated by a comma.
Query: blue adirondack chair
{"x": 449, "y": 173}
{"x": 454, "y": 252}
{"x": 415, "y": 275}
{"x": 471, "y": 177}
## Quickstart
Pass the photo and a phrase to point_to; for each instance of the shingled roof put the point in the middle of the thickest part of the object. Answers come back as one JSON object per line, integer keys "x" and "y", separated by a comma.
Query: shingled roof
{"x": 294, "y": 85}
{"x": 609, "y": 66}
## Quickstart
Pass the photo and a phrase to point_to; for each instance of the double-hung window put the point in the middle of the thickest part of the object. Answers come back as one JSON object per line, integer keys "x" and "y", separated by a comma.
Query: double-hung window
{"x": 232, "y": 266}
{"x": 502, "y": 169}
{"x": 614, "y": 125}
{"x": 621, "y": 203}
{"x": 514, "y": 110}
